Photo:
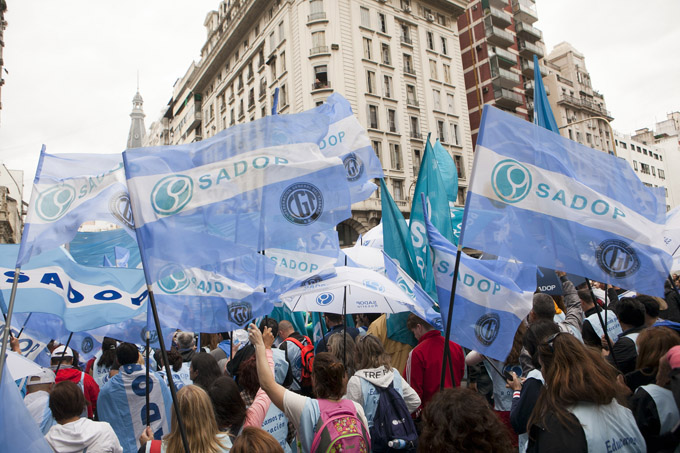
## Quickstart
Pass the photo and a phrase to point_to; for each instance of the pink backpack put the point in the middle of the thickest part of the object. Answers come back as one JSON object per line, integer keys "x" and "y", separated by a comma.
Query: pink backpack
{"x": 339, "y": 429}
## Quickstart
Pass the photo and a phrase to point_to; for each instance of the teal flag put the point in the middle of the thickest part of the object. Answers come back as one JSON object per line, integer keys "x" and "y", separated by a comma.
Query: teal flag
{"x": 457, "y": 221}
{"x": 431, "y": 185}
{"x": 543, "y": 115}
{"x": 448, "y": 172}
{"x": 296, "y": 318}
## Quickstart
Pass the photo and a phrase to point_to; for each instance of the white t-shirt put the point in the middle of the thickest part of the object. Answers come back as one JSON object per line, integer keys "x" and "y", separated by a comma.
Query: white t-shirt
{"x": 97, "y": 437}
{"x": 37, "y": 404}
{"x": 304, "y": 412}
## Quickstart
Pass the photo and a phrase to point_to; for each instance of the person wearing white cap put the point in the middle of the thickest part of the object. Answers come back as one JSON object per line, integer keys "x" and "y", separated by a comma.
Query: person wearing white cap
{"x": 37, "y": 398}
{"x": 67, "y": 372}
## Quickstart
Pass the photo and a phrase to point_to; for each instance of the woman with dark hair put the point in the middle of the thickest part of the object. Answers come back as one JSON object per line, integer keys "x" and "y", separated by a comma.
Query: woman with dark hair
{"x": 104, "y": 360}
{"x": 75, "y": 433}
{"x": 204, "y": 370}
{"x": 255, "y": 440}
{"x": 652, "y": 344}
{"x": 458, "y": 419}
{"x": 175, "y": 359}
{"x": 344, "y": 348}
{"x": 578, "y": 406}
{"x": 375, "y": 370}
{"x": 311, "y": 416}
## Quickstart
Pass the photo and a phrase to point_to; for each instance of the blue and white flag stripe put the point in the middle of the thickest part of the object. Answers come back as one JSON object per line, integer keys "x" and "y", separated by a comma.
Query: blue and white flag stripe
{"x": 488, "y": 306}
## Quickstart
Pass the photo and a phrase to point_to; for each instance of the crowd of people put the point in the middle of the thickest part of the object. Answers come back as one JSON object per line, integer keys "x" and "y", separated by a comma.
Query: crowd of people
{"x": 567, "y": 384}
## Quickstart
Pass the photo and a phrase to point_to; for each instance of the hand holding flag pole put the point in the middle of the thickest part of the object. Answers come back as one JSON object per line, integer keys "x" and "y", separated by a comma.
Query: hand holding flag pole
{"x": 602, "y": 323}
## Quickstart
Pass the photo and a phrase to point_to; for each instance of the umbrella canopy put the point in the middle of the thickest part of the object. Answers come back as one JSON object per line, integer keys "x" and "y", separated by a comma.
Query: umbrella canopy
{"x": 352, "y": 290}
{"x": 20, "y": 367}
{"x": 368, "y": 257}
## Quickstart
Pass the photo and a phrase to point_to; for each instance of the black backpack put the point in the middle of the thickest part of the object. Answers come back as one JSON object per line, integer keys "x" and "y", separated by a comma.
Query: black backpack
{"x": 392, "y": 421}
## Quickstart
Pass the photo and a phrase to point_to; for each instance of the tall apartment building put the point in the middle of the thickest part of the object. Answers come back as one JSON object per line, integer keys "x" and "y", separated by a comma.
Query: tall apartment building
{"x": 649, "y": 162}
{"x": 498, "y": 42}
{"x": 573, "y": 99}
{"x": 3, "y": 25}
{"x": 397, "y": 62}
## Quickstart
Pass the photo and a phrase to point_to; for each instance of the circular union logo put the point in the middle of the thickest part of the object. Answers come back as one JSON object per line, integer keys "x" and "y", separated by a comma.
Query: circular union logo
{"x": 617, "y": 258}
{"x": 87, "y": 345}
{"x": 353, "y": 166}
{"x": 153, "y": 335}
{"x": 175, "y": 282}
{"x": 302, "y": 203}
{"x": 511, "y": 181}
{"x": 404, "y": 287}
{"x": 120, "y": 208}
{"x": 324, "y": 299}
{"x": 437, "y": 323}
{"x": 312, "y": 280}
{"x": 54, "y": 202}
{"x": 374, "y": 286}
{"x": 487, "y": 327}
{"x": 171, "y": 194}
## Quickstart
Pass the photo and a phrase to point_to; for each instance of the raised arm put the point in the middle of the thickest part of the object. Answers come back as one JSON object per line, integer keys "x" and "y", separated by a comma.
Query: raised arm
{"x": 267, "y": 381}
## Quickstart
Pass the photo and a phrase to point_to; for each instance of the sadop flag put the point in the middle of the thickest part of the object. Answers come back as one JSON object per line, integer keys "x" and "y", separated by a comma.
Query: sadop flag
{"x": 68, "y": 190}
{"x": 492, "y": 297}
{"x": 539, "y": 198}
{"x": 84, "y": 297}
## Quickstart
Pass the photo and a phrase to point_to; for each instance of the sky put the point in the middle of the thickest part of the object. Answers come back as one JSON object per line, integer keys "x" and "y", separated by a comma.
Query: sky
{"x": 72, "y": 66}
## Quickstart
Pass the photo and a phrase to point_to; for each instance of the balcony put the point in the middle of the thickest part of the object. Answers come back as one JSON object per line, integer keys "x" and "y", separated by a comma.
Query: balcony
{"x": 499, "y": 18}
{"x": 528, "y": 69}
{"x": 528, "y": 50}
{"x": 318, "y": 86}
{"x": 406, "y": 40}
{"x": 315, "y": 17}
{"x": 503, "y": 77}
{"x": 318, "y": 50}
{"x": 409, "y": 70}
{"x": 529, "y": 88}
{"x": 506, "y": 59}
{"x": 526, "y": 31}
{"x": 524, "y": 11}
{"x": 500, "y": 4}
{"x": 498, "y": 37}
{"x": 506, "y": 98}
{"x": 585, "y": 104}
{"x": 412, "y": 103}
{"x": 416, "y": 135}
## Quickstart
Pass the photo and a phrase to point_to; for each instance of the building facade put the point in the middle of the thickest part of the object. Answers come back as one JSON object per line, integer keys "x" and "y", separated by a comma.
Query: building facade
{"x": 397, "y": 62}
{"x": 580, "y": 111}
{"x": 137, "y": 134}
{"x": 11, "y": 205}
{"x": 3, "y": 25}
{"x": 498, "y": 42}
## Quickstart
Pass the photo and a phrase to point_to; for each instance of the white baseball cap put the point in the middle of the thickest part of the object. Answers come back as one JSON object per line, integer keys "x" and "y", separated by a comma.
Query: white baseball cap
{"x": 46, "y": 376}
{"x": 59, "y": 350}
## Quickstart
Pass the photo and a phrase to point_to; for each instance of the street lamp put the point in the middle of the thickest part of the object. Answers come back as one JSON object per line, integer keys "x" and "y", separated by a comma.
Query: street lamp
{"x": 611, "y": 131}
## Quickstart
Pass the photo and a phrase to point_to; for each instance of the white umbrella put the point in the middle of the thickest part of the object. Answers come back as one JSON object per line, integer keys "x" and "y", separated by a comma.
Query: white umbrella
{"x": 20, "y": 367}
{"x": 352, "y": 290}
{"x": 368, "y": 257}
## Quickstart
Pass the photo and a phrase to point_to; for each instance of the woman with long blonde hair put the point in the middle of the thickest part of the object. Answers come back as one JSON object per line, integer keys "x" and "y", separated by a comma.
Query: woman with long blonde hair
{"x": 199, "y": 422}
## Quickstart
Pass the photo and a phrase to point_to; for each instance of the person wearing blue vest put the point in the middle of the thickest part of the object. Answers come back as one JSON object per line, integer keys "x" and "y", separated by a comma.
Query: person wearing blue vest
{"x": 579, "y": 405}
{"x": 631, "y": 314}
{"x": 122, "y": 401}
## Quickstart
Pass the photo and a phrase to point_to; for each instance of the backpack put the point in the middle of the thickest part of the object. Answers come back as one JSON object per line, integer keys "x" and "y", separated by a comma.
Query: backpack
{"x": 392, "y": 421}
{"x": 339, "y": 429}
{"x": 307, "y": 355}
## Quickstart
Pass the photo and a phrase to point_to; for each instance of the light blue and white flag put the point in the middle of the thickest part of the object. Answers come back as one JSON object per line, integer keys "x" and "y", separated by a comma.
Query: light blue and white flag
{"x": 492, "y": 297}
{"x": 88, "y": 248}
{"x": 348, "y": 140}
{"x": 84, "y": 297}
{"x": 257, "y": 185}
{"x": 122, "y": 256}
{"x": 68, "y": 190}
{"x": 540, "y": 198}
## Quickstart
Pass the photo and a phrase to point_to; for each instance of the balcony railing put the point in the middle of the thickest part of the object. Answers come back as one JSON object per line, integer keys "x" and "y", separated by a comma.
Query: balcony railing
{"x": 524, "y": 11}
{"x": 499, "y": 17}
{"x": 506, "y": 79}
{"x": 528, "y": 50}
{"x": 406, "y": 40}
{"x": 321, "y": 85}
{"x": 409, "y": 70}
{"x": 318, "y": 50}
{"x": 528, "y": 69}
{"x": 505, "y": 57}
{"x": 416, "y": 135}
{"x": 316, "y": 16}
{"x": 499, "y": 37}
{"x": 585, "y": 104}
{"x": 412, "y": 102}
{"x": 506, "y": 98}
{"x": 528, "y": 32}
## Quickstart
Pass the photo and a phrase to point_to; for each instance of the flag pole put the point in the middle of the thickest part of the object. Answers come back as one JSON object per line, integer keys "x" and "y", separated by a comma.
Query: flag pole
{"x": 24, "y": 326}
{"x": 599, "y": 316}
{"x": 447, "y": 335}
{"x": 8, "y": 321}
{"x": 63, "y": 353}
{"x": 148, "y": 409}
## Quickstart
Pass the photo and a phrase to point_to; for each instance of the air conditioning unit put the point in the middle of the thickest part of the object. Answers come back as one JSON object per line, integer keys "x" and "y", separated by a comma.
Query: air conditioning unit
{"x": 430, "y": 17}
{"x": 407, "y": 9}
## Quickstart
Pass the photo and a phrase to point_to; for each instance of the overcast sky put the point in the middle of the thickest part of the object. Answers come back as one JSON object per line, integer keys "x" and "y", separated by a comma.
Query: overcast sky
{"x": 72, "y": 65}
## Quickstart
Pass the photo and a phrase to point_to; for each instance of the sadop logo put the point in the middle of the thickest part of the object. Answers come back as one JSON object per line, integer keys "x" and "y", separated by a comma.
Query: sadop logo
{"x": 171, "y": 194}
{"x": 53, "y": 203}
{"x": 511, "y": 181}
{"x": 487, "y": 327}
{"x": 617, "y": 258}
{"x": 153, "y": 335}
{"x": 404, "y": 287}
{"x": 87, "y": 345}
{"x": 374, "y": 286}
{"x": 324, "y": 299}
{"x": 121, "y": 209}
{"x": 240, "y": 313}
{"x": 301, "y": 203}
{"x": 176, "y": 281}
{"x": 353, "y": 166}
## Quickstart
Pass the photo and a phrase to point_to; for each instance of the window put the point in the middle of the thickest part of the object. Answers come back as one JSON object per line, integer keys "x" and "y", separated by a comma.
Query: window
{"x": 283, "y": 62}
{"x": 662, "y": 174}
{"x": 447, "y": 73}
{"x": 653, "y": 169}
{"x": 387, "y": 85}
{"x": 373, "y": 116}
{"x": 445, "y": 46}
{"x": 385, "y": 51}
{"x": 644, "y": 168}
{"x": 392, "y": 120}
{"x": 461, "y": 196}
{"x": 623, "y": 145}
{"x": 263, "y": 86}
{"x": 251, "y": 98}
{"x": 406, "y": 34}
{"x": 453, "y": 128}
{"x": 430, "y": 40}
{"x": 416, "y": 162}
{"x": 415, "y": 128}
{"x": 411, "y": 95}
{"x": 272, "y": 66}
{"x": 321, "y": 77}
{"x": 644, "y": 151}
{"x": 398, "y": 188}
{"x": 382, "y": 22}
{"x": 377, "y": 147}
{"x": 318, "y": 42}
{"x": 232, "y": 117}
{"x": 365, "y": 17}
{"x": 589, "y": 137}
{"x": 441, "y": 19}
{"x": 406, "y": 5}
{"x": 370, "y": 82}
{"x": 283, "y": 96}
{"x": 239, "y": 82}
{"x": 272, "y": 42}
{"x": 281, "y": 32}
{"x": 450, "y": 103}
{"x": 436, "y": 99}
{"x": 395, "y": 156}
{"x": 459, "y": 166}
{"x": 263, "y": 112}
{"x": 316, "y": 10}
{"x": 245, "y": 45}
{"x": 638, "y": 149}
{"x": 441, "y": 131}
{"x": 433, "y": 69}
{"x": 367, "y": 48}
{"x": 408, "y": 64}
